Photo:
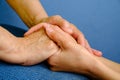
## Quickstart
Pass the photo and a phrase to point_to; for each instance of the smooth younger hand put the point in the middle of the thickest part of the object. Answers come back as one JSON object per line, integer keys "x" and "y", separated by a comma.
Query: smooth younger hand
{"x": 71, "y": 56}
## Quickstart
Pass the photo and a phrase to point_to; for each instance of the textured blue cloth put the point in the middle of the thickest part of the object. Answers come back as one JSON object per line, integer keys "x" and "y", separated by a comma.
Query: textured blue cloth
{"x": 99, "y": 20}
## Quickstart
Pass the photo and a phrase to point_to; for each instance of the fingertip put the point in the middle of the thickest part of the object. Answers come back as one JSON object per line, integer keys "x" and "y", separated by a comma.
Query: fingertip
{"x": 28, "y": 32}
{"x": 67, "y": 27}
{"x": 1, "y": 27}
{"x": 31, "y": 30}
{"x": 25, "y": 34}
{"x": 97, "y": 53}
{"x": 48, "y": 28}
{"x": 35, "y": 28}
{"x": 100, "y": 53}
{"x": 82, "y": 41}
{"x": 68, "y": 30}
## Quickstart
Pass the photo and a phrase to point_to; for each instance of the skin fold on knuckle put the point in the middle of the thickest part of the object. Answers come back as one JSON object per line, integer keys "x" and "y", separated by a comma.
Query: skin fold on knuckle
{"x": 54, "y": 18}
{"x": 52, "y": 35}
{"x": 52, "y": 62}
{"x": 53, "y": 69}
{"x": 57, "y": 16}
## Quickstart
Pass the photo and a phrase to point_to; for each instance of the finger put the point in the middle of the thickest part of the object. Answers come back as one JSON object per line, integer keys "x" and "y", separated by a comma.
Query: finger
{"x": 97, "y": 53}
{"x": 54, "y": 20}
{"x": 59, "y": 21}
{"x": 77, "y": 35}
{"x": 87, "y": 46}
{"x": 60, "y": 37}
{"x": 80, "y": 40}
{"x": 35, "y": 28}
{"x": 92, "y": 51}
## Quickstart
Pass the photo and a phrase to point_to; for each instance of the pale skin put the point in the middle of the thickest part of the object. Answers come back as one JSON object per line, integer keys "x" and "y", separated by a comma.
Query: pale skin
{"x": 31, "y": 18}
{"x": 57, "y": 62}
{"x": 31, "y": 49}
{"x": 26, "y": 50}
{"x": 32, "y": 13}
{"x": 36, "y": 44}
{"x": 64, "y": 25}
{"x": 73, "y": 57}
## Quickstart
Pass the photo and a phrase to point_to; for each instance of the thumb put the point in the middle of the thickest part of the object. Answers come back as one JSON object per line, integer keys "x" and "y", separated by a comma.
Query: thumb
{"x": 35, "y": 28}
{"x": 97, "y": 53}
{"x": 62, "y": 39}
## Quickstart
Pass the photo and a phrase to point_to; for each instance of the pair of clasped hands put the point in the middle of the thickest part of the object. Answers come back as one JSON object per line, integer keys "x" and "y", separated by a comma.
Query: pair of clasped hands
{"x": 54, "y": 39}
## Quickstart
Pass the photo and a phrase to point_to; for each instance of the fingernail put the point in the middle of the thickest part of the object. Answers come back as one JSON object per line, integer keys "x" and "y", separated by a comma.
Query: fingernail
{"x": 49, "y": 28}
{"x": 100, "y": 53}
{"x": 68, "y": 29}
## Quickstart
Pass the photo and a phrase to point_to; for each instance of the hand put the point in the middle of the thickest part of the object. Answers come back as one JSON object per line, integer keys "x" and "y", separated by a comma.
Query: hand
{"x": 29, "y": 50}
{"x": 71, "y": 56}
{"x": 9, "y": 47}
{"x": 69, "y": 28}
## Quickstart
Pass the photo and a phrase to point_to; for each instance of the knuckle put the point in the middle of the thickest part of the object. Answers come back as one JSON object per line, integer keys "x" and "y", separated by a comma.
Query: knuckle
{"x": 53, "y": 69}
{"x": 51, "y": 63}
{"x": 55, "y": 17}
{"x": 72, "y": 24}
{"x": 68, "y": 43}
{"x": 64, "y": 22}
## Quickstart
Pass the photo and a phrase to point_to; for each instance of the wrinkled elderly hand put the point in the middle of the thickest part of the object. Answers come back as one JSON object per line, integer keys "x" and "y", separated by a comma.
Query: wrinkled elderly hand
{"x": 29, "y": 50}
{"x": 69, "y": 28}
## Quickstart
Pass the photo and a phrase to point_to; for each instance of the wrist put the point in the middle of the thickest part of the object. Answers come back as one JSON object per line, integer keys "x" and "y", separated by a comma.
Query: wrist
{"x": 93, "y": 68}
{"x": 27, "y": 13}
{"x": 101, "y": 71}
{"x": 39, "y": 19}
{"x": 96, "y": 69}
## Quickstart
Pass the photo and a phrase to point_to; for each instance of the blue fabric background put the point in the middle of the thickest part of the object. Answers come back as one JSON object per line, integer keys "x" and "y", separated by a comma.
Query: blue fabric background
{"x": 99, "y": 20}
